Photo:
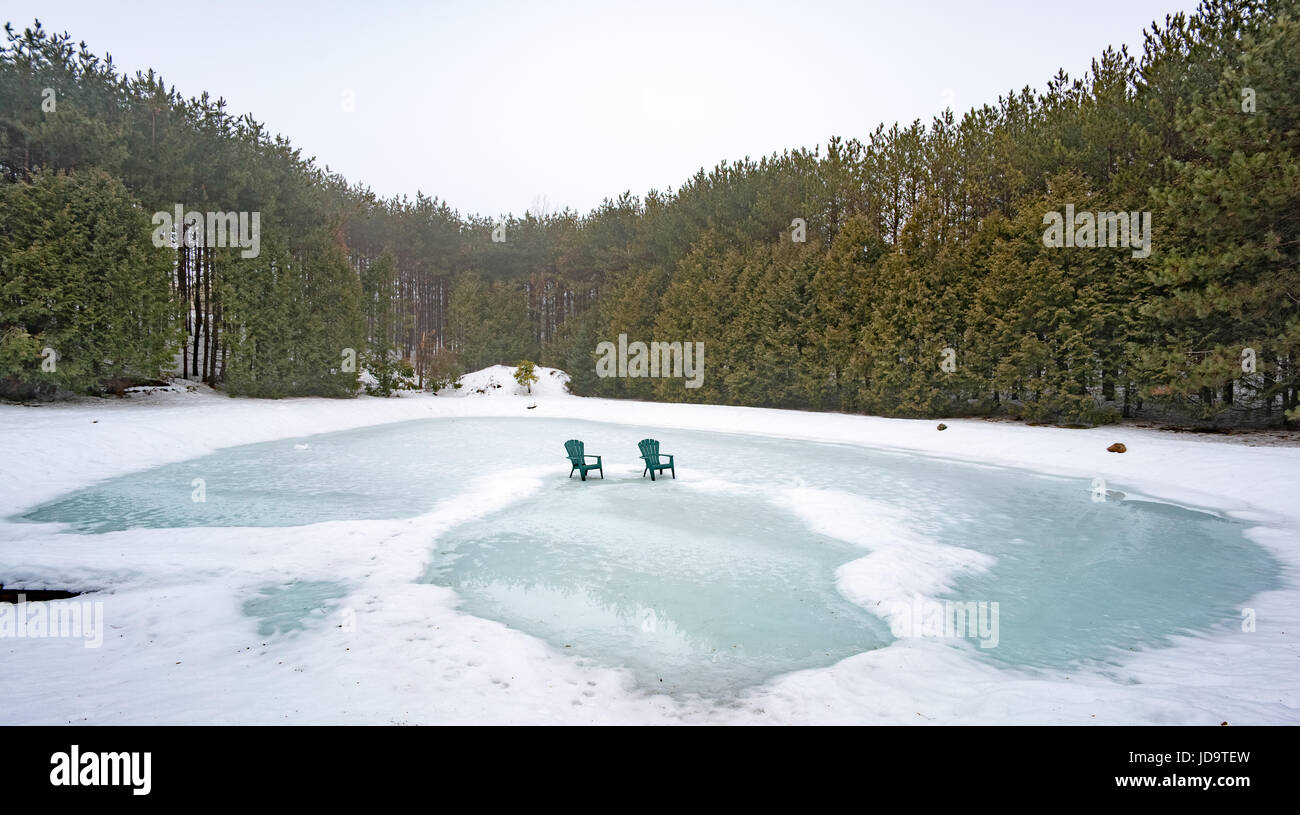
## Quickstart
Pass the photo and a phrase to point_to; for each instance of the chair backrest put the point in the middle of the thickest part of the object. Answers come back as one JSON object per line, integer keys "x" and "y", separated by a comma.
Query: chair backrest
{"x": 649, "y": 449}
{"x": 575, "y": 449}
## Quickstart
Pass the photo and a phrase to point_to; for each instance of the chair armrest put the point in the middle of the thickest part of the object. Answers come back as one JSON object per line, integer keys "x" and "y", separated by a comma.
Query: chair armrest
{"x": 591, "y": 456}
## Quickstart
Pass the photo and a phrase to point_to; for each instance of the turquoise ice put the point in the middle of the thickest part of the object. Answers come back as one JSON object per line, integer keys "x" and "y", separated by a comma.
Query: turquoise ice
{"x": 708, "y": 584}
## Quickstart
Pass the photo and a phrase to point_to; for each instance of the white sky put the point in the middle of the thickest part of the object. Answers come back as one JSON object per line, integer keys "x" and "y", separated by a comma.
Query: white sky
{"x": 489, "y": 105}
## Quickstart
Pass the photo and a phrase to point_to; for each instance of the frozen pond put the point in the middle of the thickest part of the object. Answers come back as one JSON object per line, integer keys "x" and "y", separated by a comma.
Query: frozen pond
{"x": 764, "y": 556}
{"x": 695, "y": 591}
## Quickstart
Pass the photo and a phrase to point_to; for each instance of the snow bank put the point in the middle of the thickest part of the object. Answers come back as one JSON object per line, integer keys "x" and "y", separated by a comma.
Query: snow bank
{"x": 499, "y": 381}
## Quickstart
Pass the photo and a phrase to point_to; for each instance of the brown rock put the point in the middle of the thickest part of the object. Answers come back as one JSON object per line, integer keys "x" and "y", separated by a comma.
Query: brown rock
{"x": 1117, "y": 447}
{"x": 942, "y": 426}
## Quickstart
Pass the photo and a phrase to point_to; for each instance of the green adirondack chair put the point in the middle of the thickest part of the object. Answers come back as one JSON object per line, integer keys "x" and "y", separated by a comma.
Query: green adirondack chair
{"x": 654, "y": 459}
{"x": 579, "y": 460}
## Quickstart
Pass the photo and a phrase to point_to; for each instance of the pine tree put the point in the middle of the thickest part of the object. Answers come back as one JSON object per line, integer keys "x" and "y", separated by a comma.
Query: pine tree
{"x": 79, "y": 276}
{"x": 1229, "y": 281}
{"x": 525, "y": 374}
{"x": 377, "y": 284}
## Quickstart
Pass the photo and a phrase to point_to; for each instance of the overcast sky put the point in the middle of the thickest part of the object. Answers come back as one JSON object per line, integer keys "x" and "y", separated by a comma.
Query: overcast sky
{"x": 491, "y": 105}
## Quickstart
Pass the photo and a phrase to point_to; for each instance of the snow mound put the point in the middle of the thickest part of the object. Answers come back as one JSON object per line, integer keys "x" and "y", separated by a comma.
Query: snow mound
{"x": 499, "y": 380}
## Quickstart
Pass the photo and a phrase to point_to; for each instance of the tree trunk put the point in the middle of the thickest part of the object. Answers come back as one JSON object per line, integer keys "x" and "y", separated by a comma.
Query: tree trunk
{"x": 198, "y": 310}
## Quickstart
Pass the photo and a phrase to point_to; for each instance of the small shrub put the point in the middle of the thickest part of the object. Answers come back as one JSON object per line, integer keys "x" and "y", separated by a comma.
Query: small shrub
{"x": 526, "y": 374}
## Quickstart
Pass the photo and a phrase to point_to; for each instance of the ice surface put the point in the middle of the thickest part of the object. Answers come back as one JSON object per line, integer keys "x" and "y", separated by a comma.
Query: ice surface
{"x": 360, "y": 474}
{"x": 739, "y": 577}
{"x": 764, "y": 556}
{"x": 284, "y": 608}
{"x": 694, "y": 591}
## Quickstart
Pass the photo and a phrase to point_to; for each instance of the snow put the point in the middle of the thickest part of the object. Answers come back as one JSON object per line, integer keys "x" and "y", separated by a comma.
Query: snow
{"x": 178, "y": 648}
{"x": 902, "y": 565}
{"x": 499, "y": 381}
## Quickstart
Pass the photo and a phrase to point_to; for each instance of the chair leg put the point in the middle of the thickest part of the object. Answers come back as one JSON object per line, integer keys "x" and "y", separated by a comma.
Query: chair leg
{"x": 583, "y": 475}
{"x": 674, "y": 469}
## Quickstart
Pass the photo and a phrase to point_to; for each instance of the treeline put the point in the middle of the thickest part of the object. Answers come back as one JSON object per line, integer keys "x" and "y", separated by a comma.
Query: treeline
{"x": 905, "y": 273}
